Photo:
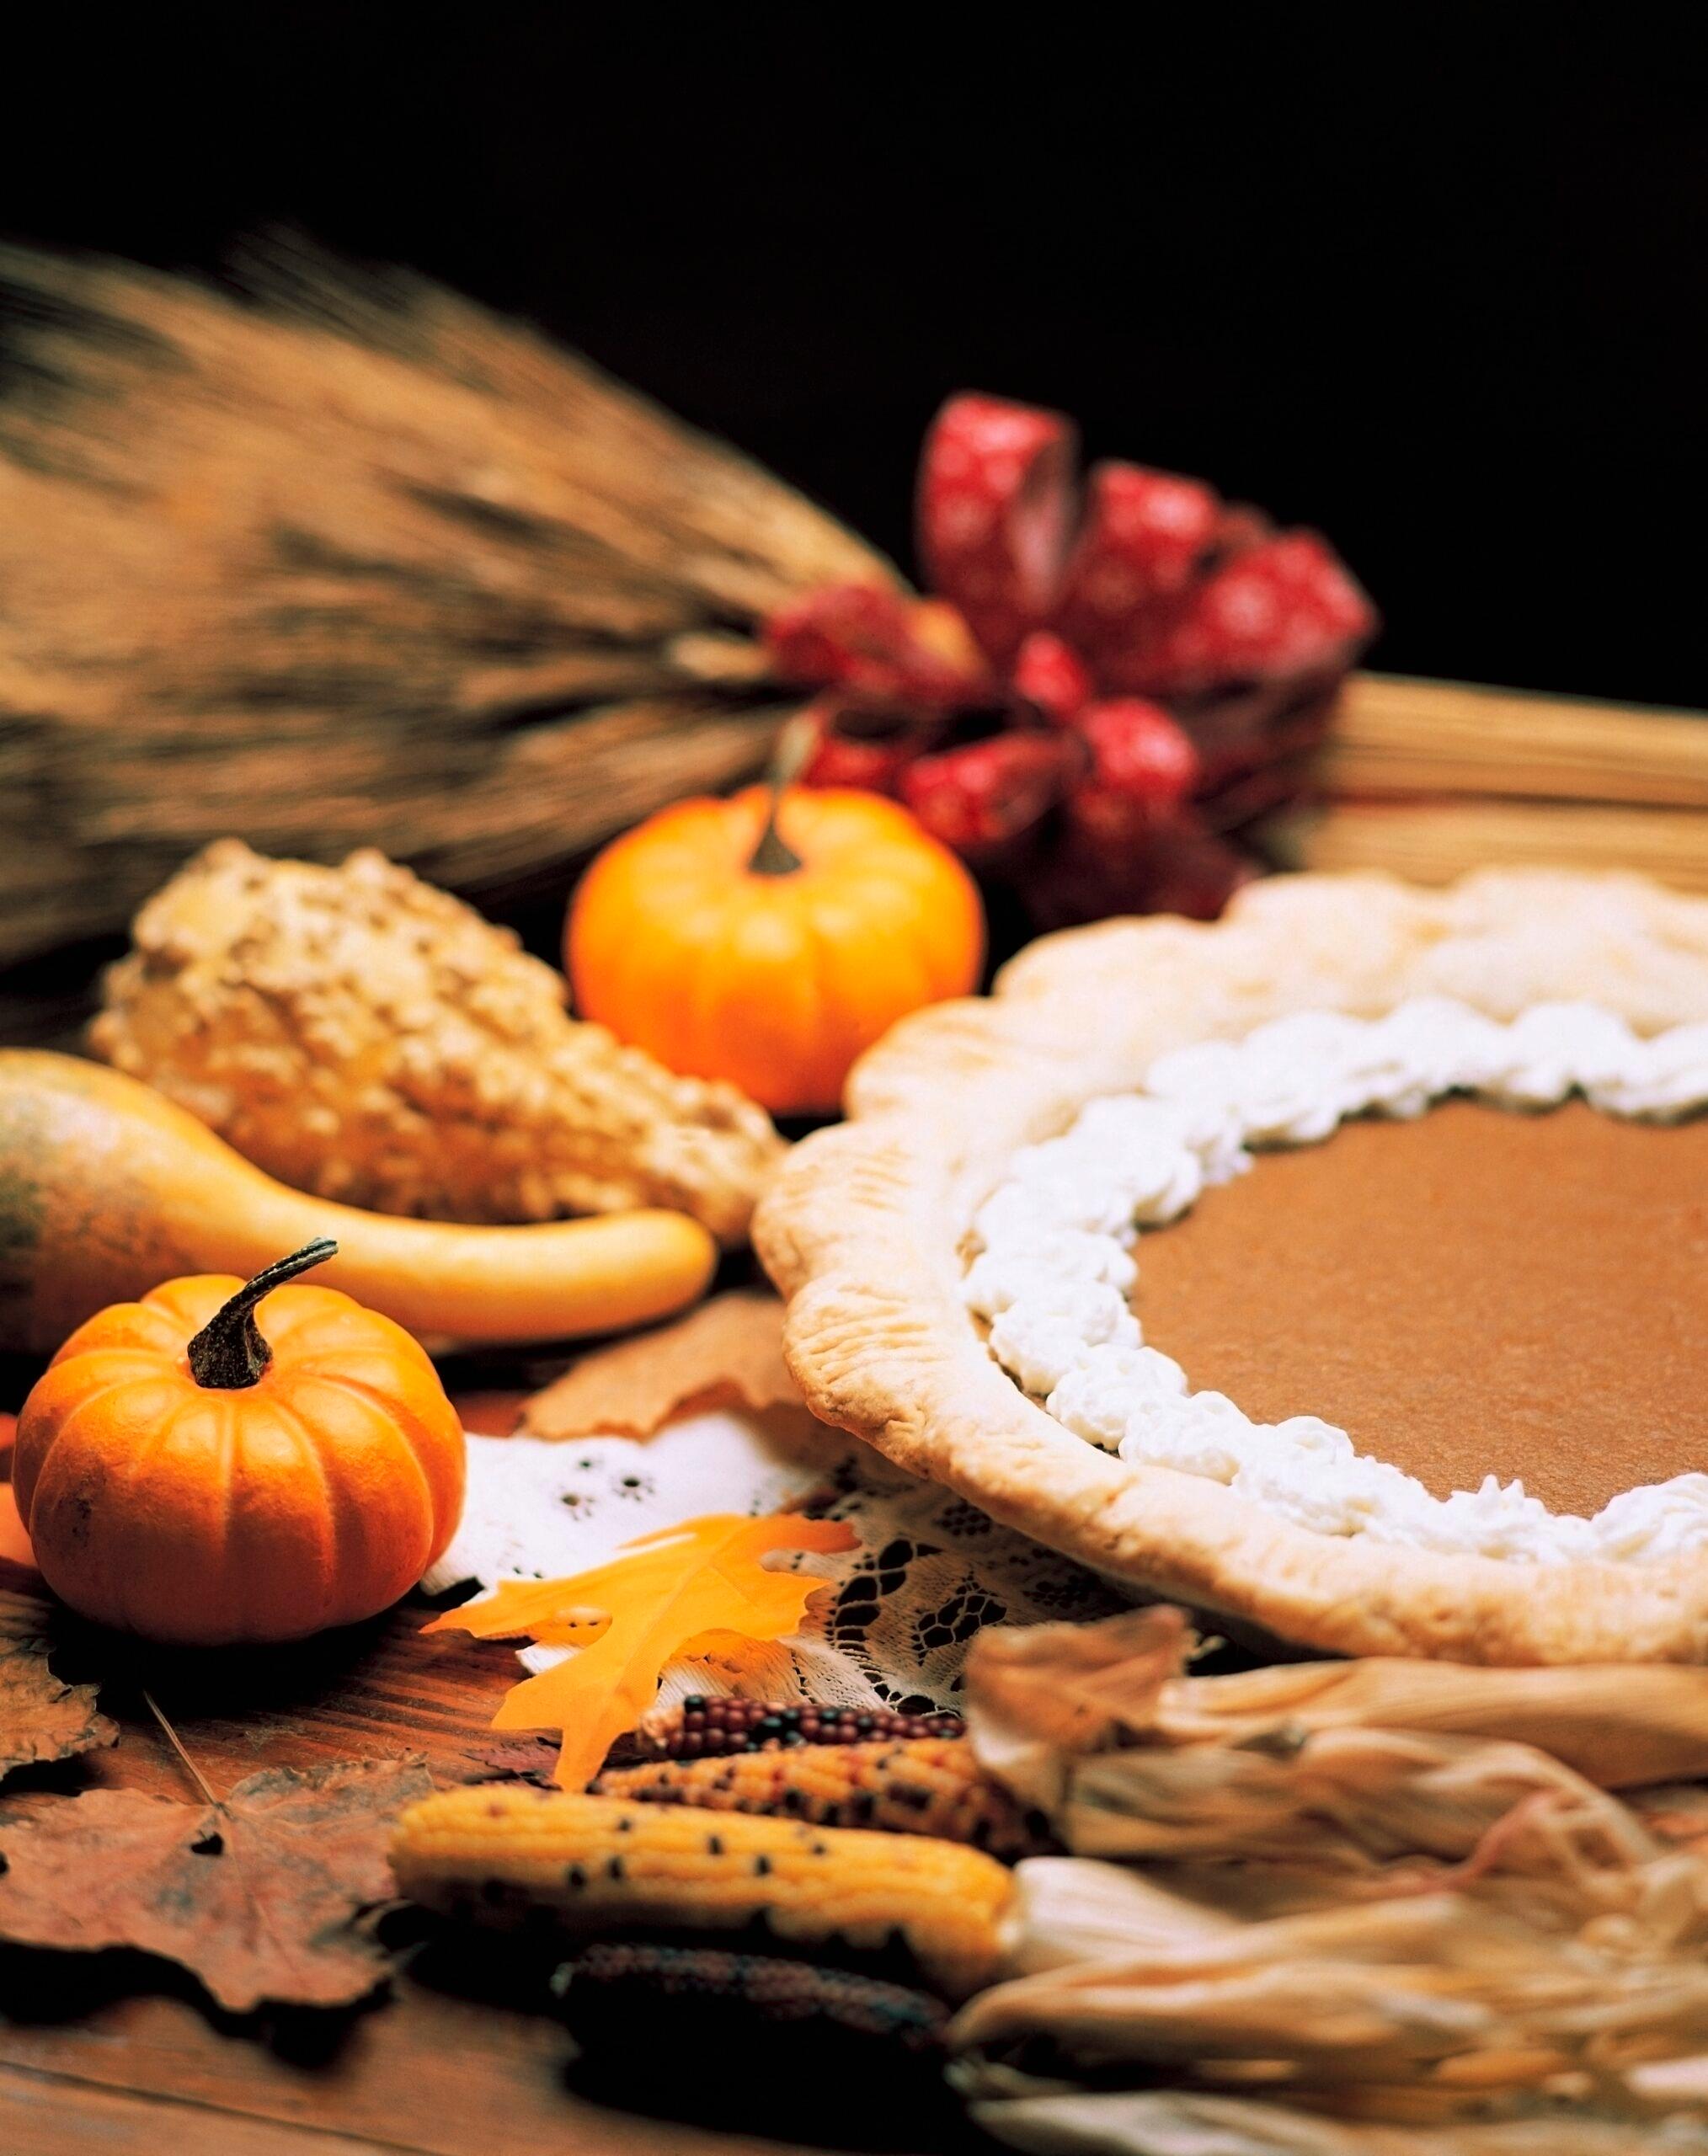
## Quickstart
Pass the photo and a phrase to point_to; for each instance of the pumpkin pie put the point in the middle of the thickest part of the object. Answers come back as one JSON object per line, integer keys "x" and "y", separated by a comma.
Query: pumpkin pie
{"x": 1340, "y": 1268}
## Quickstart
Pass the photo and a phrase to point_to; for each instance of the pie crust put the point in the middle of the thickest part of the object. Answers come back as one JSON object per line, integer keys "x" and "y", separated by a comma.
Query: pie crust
{"x": 865, "y": 1230}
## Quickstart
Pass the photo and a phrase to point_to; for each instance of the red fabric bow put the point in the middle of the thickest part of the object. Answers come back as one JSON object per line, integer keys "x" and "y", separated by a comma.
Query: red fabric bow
{"x": 1101, "y": 696}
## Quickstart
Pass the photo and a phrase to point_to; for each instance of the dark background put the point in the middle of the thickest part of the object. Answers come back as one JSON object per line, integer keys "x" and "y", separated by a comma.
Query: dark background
{"x": 1432, "y": 278}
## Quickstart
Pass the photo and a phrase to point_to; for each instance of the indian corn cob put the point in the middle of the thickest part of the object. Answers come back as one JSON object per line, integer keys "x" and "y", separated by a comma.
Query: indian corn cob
{"x": 362, "y": 1036}
{"x": 612, "y": 1984}
{"x": 601, "y": 1866}
{"x": 918, "y": 1786}
{"x": 702, "y": 1727}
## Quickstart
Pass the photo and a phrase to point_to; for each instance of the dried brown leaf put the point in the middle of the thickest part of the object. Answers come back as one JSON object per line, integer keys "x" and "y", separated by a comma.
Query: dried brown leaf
{"x": 42, "y": 1717}
{"x": 516, "y": 1760}
{"x": 728, "y": 1352}
{"x": 258, "y": 1896}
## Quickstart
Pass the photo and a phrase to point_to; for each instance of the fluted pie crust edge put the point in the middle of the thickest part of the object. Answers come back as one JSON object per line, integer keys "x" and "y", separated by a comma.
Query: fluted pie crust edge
{"x": 863, "y": 1229}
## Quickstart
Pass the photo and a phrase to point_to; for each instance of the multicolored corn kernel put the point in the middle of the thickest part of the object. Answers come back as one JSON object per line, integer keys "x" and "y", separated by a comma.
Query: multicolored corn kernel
{"x": 699, "y": 1995}
{"x": 913, "y": 1785}
{"x": 596, "y": 1864}
{"x": 706, "y": 1727}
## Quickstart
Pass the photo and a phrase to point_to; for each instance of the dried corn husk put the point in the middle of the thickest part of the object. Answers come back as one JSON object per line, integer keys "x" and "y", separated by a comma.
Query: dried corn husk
{"x": 1059, "y": 1691}
{"x": 1361, "y": 1895}
{"x": 1166, "y": 2122}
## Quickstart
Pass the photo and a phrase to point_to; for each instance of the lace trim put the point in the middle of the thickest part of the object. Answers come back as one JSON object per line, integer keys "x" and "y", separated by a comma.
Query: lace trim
{"x": 929, "y": 1571}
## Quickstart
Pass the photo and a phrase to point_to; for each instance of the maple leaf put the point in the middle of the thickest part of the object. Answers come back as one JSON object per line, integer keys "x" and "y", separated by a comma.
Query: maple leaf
{"x": 42, "y": 1717}
{"x": 516, "y": 1759}
{"x": 663, "y": 1596}
{"x": 257, "y": 1895}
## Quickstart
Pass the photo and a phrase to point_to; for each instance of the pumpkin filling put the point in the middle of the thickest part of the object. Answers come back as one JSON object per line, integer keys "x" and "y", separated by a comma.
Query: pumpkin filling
{"x": 1477, "y": 1292}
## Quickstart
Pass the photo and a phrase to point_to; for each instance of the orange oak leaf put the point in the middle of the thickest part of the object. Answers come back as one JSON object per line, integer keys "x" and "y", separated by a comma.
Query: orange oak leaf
{"x": 660, "y": 1597}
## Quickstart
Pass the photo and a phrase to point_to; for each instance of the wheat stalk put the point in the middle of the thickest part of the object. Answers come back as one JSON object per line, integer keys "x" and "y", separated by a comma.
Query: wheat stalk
{"x": 333, "y": 559}
{"x": 1396, "y": 736}
{"x": 1428, "y": 779}
{"x": 1434, "y": 841}
{"x": 326, "y": 559}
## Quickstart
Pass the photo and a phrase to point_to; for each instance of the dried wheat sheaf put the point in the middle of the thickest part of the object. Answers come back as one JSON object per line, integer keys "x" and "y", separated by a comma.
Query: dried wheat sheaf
{"x": 329, "y": 558}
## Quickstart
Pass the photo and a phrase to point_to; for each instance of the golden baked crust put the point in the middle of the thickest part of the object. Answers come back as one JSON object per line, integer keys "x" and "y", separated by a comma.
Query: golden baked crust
{"x": 862, "y": 1231}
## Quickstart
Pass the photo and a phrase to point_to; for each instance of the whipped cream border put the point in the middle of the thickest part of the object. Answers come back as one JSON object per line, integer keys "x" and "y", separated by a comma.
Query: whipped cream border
{"x": 1055, "y": 1258}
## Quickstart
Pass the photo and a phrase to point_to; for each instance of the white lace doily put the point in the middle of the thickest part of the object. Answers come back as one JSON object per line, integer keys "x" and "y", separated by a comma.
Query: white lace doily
{"x": 930, "y": 1570}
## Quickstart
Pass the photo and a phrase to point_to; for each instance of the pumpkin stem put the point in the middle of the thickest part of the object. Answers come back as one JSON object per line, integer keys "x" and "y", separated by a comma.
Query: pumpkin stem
{"x": 228, "y": 1354}
{"x": 773, "y": 855}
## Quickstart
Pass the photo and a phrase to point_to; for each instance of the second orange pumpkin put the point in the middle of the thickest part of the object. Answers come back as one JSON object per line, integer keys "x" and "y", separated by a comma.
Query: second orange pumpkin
{"x": 771, "y": 951}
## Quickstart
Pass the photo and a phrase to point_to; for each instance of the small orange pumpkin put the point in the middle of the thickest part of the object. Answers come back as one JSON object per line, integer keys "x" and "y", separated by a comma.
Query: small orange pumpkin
{"x": 182, "y": 1477}
{"x": 771, "y": 938}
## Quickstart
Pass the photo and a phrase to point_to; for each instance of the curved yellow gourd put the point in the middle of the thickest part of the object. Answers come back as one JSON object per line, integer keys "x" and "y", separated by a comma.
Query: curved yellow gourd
{"x": 107, "y": 1188}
